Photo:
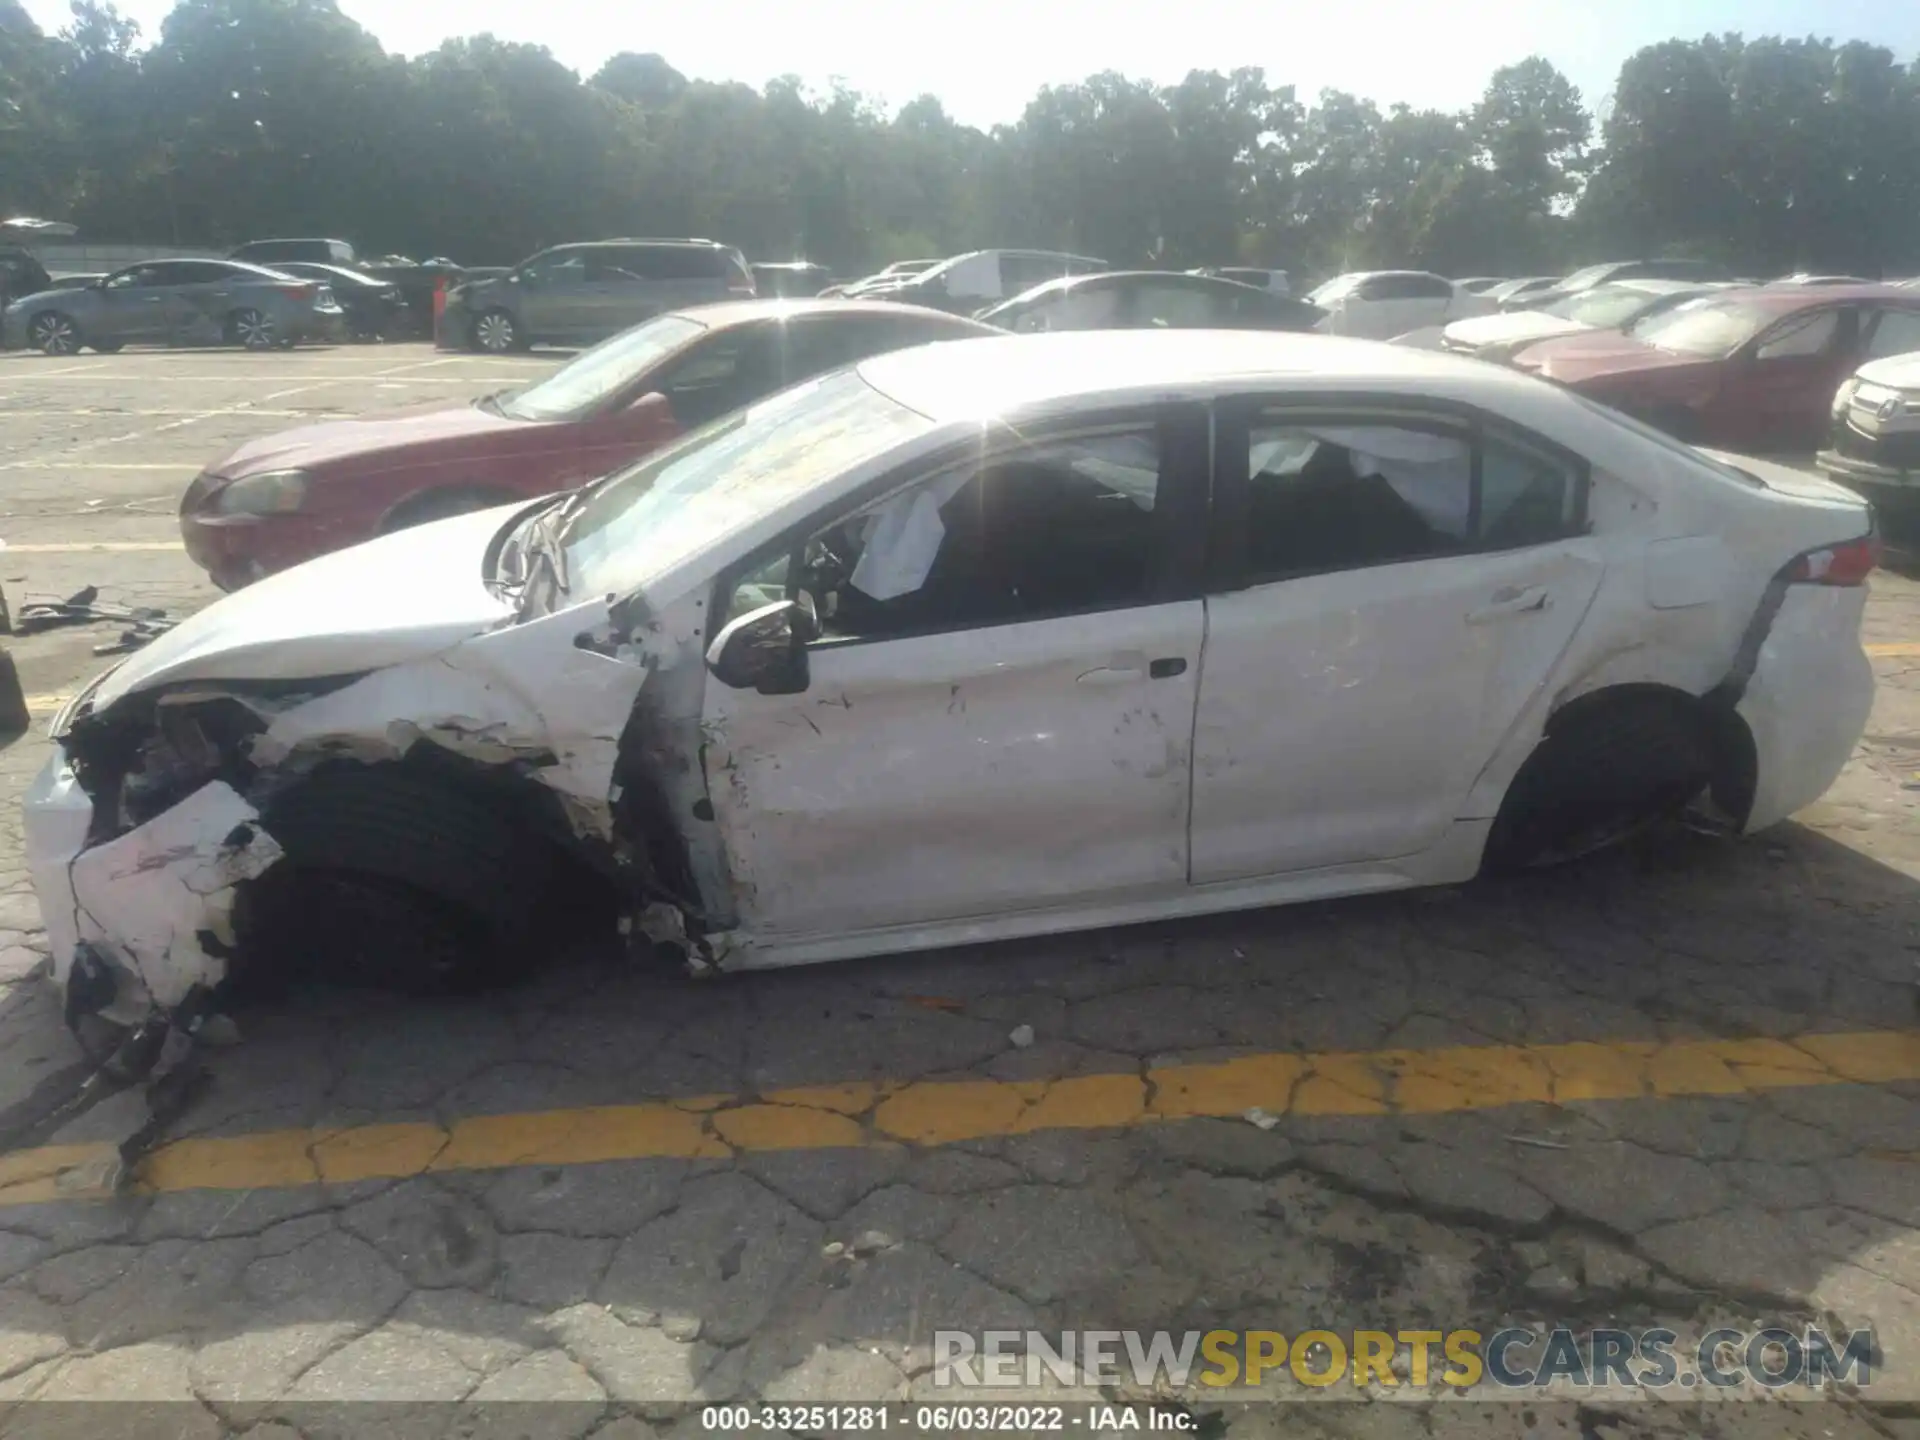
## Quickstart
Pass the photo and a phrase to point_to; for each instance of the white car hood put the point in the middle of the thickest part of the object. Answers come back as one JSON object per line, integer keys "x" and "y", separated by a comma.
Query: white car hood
{"x": 393, "y": 599}
{"x": 1899, "y": 372}
{"x": 1512, "y": 328}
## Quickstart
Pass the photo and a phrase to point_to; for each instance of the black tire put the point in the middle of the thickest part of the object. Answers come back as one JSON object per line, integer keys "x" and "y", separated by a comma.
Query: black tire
{"x": 251, "y": 330}
{"x": 496, "y": 332}
{"x": 439, "y": 505}
{"x": 54, "y": 332}
{"x": 399, "y": 880}
{"x": 1605, "y": 771}
{"x": 107, "y": 347}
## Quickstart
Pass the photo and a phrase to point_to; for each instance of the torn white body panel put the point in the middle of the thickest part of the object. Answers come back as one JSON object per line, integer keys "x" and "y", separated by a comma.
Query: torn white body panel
{"x": 931, "y": 777}
{"x": 519, "y": 696}
{"x": 159, "y": 899}
{"x": 1811, "y": 650}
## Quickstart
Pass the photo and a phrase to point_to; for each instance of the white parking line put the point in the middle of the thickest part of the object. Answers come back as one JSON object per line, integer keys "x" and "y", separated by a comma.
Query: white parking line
{"x": 76, "y": 547}
{"x": 155, "y": 377}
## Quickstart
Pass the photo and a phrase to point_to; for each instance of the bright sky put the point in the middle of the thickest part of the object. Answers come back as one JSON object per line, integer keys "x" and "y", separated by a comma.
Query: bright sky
{"x": 986, "y": 58}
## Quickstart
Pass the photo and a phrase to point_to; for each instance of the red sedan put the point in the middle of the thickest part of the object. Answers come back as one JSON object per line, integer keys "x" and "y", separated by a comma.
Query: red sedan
{"x": 288, "y": 497}
{"x": 1748, "y": 369}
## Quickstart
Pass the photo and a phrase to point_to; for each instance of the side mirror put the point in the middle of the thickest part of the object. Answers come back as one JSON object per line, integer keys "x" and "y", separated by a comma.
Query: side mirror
{"x": 766, "y": 649}
{"x": 514, "y": 277}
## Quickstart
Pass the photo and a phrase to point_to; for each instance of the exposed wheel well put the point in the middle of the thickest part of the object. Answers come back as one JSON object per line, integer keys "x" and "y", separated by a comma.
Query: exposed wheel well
{"x": 426, "y": 873}
{"x": 1618, "y": 757}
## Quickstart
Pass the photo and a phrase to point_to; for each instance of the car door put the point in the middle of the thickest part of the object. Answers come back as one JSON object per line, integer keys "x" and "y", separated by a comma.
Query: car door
{"x": 132, "y": 306}
{"x": 1390, "y": 587}
{"x": 1387, "y": 305}
{"x": 1777, "y": 391}
{"x": 550, "y": 291}
{"x": 200, "y": 294}
{"x": 999, "y": 708}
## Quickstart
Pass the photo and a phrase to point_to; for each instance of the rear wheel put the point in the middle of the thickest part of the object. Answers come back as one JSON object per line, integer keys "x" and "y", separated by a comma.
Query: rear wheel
{"x": 1604, "y": 770}
{"x": 496, "y": 333}
{"x": 252, "y": 329}
{"x": 53, "y": 333}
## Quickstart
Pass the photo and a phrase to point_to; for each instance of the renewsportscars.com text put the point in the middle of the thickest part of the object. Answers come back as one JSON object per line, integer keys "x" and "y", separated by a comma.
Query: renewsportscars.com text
{"x": 1514, "y": 1358}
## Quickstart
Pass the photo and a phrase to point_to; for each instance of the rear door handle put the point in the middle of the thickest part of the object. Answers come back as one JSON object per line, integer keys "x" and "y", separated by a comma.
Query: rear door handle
{"x": 1125, "y": 668}
{"x": 1511, "y": 600}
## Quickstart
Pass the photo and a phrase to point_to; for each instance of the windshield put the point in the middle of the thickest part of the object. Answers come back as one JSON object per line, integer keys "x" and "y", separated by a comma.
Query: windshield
{"x": 1606, "y": 307}
{"x": 1335, "y": 288}
{"x": 1712, "y": 327}
{"x": 590, "y": 379}
{"x": 723, "y": 477}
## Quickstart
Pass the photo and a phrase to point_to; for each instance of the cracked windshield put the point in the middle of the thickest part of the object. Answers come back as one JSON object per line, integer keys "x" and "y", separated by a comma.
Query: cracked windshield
{"x": 720, "y": 724}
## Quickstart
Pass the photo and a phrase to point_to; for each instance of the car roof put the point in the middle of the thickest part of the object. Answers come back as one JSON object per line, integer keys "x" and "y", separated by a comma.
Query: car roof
{"x": 1787, "y": 298}
{"x": 739, "y": 312}
{"x": 1648, "y": 285}
{"x": 992, "y": 376}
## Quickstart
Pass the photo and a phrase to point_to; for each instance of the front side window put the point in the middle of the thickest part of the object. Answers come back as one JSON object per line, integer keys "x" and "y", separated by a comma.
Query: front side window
{"x": 1337, "y": 496}
{"x": 1060, "y": 525}
{"x": 560, "y": 267}
{"x": 1800, "y": 338}
{"x": 139, "y": 276}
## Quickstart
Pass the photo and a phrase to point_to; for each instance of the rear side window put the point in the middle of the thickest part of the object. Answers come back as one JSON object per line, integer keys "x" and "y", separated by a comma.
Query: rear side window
{"x": 1345, "y": 492}
{"x": 1800, "y": 337}
{"x": 202, "y": 272}
{"x": 1898, "y": 333}
{"x": 674, "y": 262}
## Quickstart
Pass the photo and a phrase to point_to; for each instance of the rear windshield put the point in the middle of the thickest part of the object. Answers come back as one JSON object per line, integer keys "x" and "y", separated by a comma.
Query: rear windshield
{"x": 586, "y": 382}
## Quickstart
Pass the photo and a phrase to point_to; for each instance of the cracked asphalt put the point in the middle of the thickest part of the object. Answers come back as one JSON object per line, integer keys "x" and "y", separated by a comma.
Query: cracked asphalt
{"x": 1677, "y": 1085}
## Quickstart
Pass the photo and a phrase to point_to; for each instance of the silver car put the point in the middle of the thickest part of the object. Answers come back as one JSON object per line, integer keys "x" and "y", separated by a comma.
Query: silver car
{"x": 175, "y": 302}
{"x": 581, "y": 294}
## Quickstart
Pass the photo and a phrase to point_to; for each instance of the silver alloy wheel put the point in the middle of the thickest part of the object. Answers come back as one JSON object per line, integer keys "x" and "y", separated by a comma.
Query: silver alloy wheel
{"x": 494, "y": 331}
{"x": 54, "y": 334}
{"x": 254, "y": 330}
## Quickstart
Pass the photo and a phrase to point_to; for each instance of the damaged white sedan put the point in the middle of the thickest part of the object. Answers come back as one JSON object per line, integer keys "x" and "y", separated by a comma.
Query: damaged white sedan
{"x": 971, "y": 641}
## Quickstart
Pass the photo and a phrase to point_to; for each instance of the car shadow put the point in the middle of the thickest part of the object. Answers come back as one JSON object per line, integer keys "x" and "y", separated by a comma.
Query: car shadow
{"x": 821, "y": 1273}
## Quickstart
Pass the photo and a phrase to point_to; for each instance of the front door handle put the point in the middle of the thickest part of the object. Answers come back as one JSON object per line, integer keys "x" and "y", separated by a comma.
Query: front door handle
{"x": 1511, "y": 600}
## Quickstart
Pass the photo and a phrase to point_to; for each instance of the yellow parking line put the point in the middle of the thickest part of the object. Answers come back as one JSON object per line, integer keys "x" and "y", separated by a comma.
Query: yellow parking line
{"x": 868, "y": 1115}
{"x": 76, "y": 547}
{"x": 1902, "y": 647}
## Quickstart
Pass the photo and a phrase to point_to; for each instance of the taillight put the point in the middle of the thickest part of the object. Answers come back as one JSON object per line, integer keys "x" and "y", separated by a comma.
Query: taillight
{"x": 296, "y": 292}
{"x": 1847, "y": 564}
